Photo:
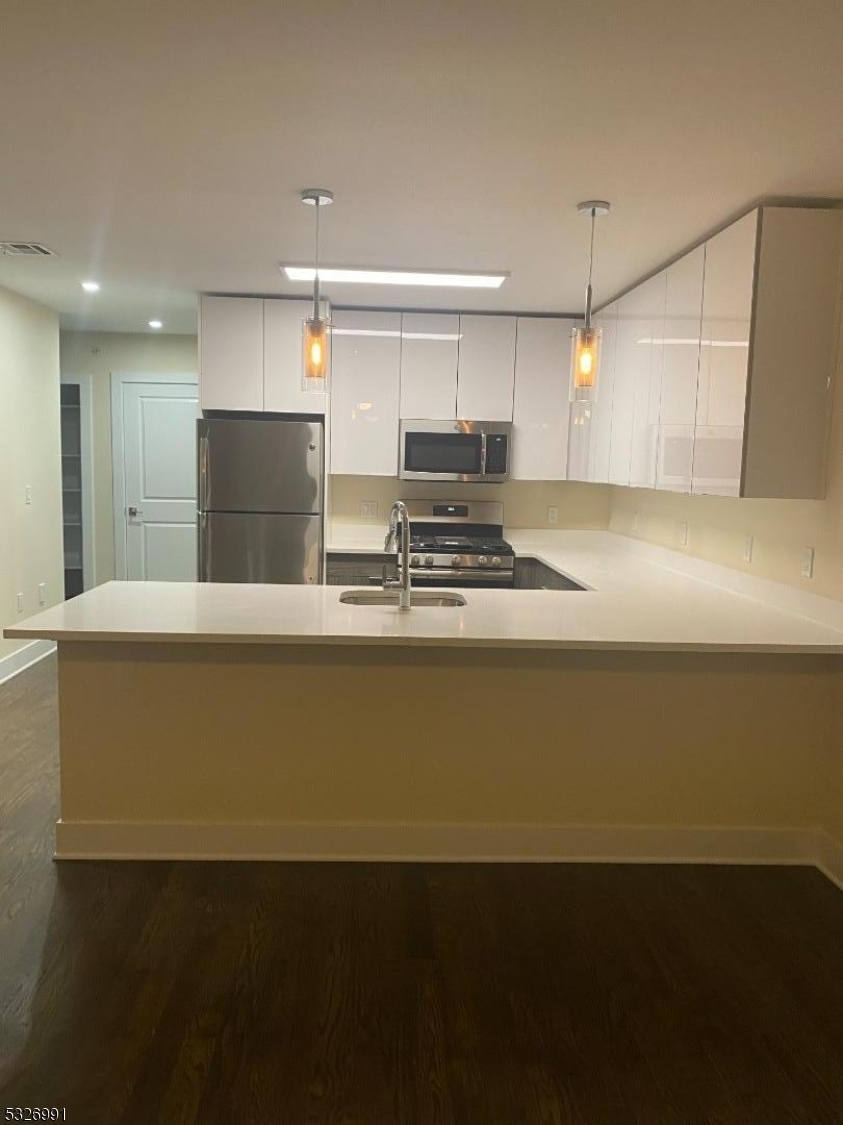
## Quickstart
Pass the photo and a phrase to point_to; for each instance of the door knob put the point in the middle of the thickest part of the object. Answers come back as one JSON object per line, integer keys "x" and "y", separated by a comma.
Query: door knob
{"x": 133, "y": 512}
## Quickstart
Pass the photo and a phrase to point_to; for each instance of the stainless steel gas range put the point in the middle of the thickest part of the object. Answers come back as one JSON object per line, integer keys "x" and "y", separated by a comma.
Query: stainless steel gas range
{"x": 459, "y": 543}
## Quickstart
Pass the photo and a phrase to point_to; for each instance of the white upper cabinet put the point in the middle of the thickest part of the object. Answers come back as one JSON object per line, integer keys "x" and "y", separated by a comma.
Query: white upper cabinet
{"x": 680, "y": 371}
{"x": 365, "y": 392}
{"x": 282, "y": 359}
{"x": 429, "y": 354}
{"x": 632, "y": 364}
{"x": 540, "y": 417}
{"x": 601, "y": 410}
{"x": 486, "y": 368}
{"x": 646, "y": 338}
{"x": 231, "y": 353}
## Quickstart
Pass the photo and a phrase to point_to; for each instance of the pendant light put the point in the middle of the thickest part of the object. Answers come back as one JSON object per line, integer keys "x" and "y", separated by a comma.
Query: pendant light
{"x": 316, "y": 329}
{"x": 585, "y": 341}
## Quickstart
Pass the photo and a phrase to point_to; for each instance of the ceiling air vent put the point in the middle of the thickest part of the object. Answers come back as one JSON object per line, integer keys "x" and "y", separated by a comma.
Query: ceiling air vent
{"x": 26, "y": 250}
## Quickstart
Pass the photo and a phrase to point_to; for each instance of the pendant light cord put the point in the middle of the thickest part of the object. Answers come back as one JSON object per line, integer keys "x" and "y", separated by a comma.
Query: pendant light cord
{"x": 590, "y": 267}
{"x": 316, "y": 270}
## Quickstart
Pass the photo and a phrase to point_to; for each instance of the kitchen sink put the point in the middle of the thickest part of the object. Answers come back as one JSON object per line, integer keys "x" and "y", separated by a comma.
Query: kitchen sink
{"x": 420, "y": 598}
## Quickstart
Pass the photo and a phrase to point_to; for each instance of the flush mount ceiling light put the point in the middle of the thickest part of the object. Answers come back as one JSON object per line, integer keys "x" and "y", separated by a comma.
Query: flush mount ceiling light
{"x": 585, "y": 341}
{"x": 156, "y": 324}
{"x": 316, "y": 329}
{"x": 90, "y": 286}
{"x": 444, "y": 279}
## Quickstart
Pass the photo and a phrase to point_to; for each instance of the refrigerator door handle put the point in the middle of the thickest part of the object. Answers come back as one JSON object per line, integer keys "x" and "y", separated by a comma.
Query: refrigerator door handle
{"x": 204, "y": 475}
{"x": 201, "y": 538}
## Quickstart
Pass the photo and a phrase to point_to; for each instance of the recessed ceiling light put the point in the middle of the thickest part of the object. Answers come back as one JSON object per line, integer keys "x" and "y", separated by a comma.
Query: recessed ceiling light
{"x": 156, "y": 324}
{"x": 91, "y": 286}
{"x": 442, "y": 279}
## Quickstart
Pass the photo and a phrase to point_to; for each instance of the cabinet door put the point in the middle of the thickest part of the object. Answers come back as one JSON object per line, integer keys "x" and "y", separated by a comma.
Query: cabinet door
{"x": 429, "y": 352}
{"x": 630, "y": 357}
{"x": 540, "y": 416}
{"x": 680, "y": 372}
{"x": 282, "y": 359}
{"x": 231, "y": 353}
{"x": 724, "y": 358}
{"x": 647, "y": 351}
{"x": 486, "y": 368}
{"x": 601, "y": 410}
{"x": 365, "y": 382}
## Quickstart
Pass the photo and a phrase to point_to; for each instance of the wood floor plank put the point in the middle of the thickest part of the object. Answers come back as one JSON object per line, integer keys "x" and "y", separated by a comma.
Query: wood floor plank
{"x": 320, "y": 994}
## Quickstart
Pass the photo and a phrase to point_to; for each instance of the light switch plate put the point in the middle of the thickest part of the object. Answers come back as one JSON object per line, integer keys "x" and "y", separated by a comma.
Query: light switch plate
{"x": 747, "y": 548}
{"x": 29, "y": 494}
{"x": 807, "y": 568}
{"x": 553, "y": 514}
{"x": 42, "y": 593}
{"x": 369, "y": 509}
{"x": 685, "y": 534}
{"x": 20, "y": 603}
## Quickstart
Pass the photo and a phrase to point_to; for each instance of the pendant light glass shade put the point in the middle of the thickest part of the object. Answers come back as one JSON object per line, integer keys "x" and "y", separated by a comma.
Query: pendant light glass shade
{"x": 316, "y": 354}
{"x": 585, "y": 363}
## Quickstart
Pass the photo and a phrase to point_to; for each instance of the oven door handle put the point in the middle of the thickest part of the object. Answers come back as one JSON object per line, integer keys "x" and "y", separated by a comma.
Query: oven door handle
{"x": 483, "y": 454}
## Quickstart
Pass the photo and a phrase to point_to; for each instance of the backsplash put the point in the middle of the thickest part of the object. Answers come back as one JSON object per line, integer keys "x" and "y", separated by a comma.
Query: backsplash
{"x": 525, "y": 502}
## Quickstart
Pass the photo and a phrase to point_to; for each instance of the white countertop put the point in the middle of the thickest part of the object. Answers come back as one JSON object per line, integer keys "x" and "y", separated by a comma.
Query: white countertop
{"x": 637, "y": 599}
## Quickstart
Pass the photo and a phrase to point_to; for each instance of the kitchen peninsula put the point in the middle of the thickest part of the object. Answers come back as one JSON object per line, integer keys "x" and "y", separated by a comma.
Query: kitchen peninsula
{"x": 654, "y": 715}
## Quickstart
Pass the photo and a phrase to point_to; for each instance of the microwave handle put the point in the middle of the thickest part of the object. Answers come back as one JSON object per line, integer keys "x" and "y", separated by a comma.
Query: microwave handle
{"x": 483, "y": 454}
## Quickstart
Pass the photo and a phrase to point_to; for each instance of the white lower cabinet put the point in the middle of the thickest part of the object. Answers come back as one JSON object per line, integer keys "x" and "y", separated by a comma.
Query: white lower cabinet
{"x": 282, "y": 359}
{"x": 540, "y": 414}
{"x": 365, "y": 393}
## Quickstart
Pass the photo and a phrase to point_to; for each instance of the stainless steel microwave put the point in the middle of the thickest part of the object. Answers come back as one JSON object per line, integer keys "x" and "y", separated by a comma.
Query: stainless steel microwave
{"x": 455, "y": 450}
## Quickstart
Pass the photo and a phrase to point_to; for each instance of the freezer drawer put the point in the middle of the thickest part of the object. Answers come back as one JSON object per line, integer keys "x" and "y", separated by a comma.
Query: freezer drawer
{"x": 245, "y": 547}
{"x": 256, "y": 465}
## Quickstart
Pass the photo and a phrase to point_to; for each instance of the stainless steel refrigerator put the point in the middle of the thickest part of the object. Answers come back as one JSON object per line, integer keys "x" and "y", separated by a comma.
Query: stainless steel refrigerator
{"x": 260, "y": 500}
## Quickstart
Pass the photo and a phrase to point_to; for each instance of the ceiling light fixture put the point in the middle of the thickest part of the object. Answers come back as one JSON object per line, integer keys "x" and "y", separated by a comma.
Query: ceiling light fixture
{"x": 156, "y": 324}
{"x": 316, "y": 329}
{"x": 90, "y": 286}
{"x": 444, "y": 279}
{"x": 585, "y": 341}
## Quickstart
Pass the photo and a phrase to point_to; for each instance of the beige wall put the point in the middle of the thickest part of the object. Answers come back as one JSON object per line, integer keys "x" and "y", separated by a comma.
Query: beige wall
{"x": 780, "y": 528}
{"x": 99, "y": 354}
{"x": 525, "y": 502}
{"x": 30, "y": 444}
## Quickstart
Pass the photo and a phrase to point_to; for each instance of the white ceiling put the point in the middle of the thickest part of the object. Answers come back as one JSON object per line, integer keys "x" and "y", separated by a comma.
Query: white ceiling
{"x": 160, "y": 147}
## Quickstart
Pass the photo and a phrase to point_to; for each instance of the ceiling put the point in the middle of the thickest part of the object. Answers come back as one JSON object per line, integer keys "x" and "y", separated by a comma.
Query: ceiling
{"x": 160, "y": 147}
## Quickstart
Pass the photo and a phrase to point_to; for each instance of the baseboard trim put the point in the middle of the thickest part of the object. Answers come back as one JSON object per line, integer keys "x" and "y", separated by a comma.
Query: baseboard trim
{"x": 29, "y": 654}
{"x": 830, "y": 858}
{"x": 456, "y": 843}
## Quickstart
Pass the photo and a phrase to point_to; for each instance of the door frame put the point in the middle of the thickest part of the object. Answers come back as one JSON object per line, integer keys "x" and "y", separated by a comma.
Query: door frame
{"x": 86, "y": 420}
{"x": 118, "y": 455}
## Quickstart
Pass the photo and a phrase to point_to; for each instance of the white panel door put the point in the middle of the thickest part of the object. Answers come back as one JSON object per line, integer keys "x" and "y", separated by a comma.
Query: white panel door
{"x": 429, "y": 352}
{"x": 680, "y": 371}
{"x": 724, "y": 358}
{"x": 365, "y": 392}
{"x": 282, "y": 359}
{"x": 647, "y": 359}
{"x": 231, "y": 353}
{"x": 601, "y": 410}
{"x": 486, "y": 368}
{"x": 540, "y": 415}
{"x": 159, "y": 480}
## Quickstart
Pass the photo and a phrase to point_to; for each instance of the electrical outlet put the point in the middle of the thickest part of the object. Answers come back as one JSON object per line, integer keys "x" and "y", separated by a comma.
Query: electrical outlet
{"x": 29, "y": 494}
{"x": 635, "y": 523}
{"x": 42, "y": 593}
{"x": 807, "y": 568}
{"x": 369, "y": 509}
{"x": 747, "y": 548}
{"x": 20, "y": 603}
{"x": 553, "y": 514}
{"x": 685, "y": 534}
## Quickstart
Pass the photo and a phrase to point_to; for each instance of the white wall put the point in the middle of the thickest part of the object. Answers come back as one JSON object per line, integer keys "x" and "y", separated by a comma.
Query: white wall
{"x": 98, "y": 354}
{"x": 31, "y": 549}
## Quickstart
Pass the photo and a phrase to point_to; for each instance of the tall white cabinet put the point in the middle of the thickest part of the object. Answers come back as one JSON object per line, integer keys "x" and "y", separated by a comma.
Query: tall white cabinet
{"x": 365, "y": 393}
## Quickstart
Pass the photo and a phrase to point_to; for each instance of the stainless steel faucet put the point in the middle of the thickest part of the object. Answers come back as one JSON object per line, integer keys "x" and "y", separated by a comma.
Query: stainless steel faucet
{"x": 399, "y": 515}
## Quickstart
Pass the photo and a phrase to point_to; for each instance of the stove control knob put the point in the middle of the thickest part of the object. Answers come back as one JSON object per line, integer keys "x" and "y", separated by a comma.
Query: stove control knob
{"x": 456, "y": 560}
{"x": 483, "y": 560}
{"x": 428, "y": 560}
{"x": 414, "y": 560}
{"x": 496, "y": 561}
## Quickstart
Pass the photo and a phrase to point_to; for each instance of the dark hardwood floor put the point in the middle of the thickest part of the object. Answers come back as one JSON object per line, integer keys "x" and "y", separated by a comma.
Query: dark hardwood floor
{"x": 403, "y": 994}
